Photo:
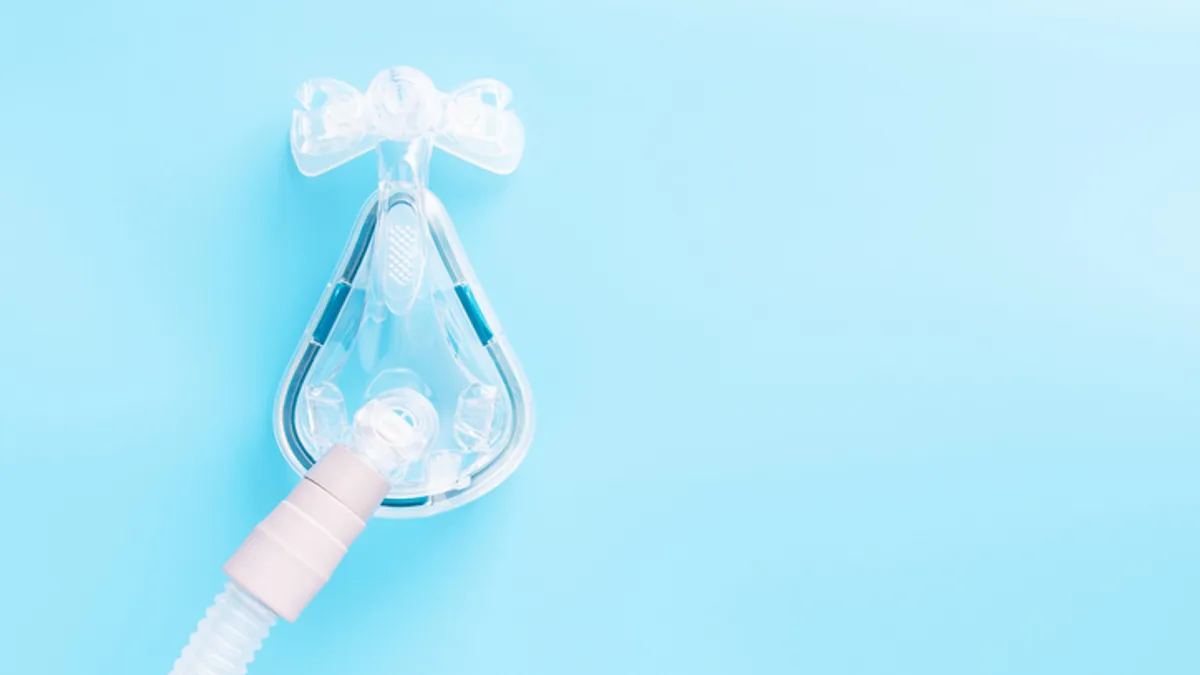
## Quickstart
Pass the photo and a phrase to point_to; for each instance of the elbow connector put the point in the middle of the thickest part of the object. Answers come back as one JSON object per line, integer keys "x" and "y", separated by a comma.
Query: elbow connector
{"x": 284, "y": 562}
{"x": 292, "y": 553}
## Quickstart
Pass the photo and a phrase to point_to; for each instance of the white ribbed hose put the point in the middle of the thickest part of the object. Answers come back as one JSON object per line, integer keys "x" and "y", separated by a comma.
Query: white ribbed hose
{"x": 228, "y": 636}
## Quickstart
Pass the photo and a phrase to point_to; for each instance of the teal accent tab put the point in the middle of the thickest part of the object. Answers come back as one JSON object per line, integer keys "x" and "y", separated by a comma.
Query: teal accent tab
{"x": 467, "y": 297}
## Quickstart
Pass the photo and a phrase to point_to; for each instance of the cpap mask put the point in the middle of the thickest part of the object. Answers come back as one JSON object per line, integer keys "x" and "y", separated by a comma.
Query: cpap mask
{"x": 403, "y": 398}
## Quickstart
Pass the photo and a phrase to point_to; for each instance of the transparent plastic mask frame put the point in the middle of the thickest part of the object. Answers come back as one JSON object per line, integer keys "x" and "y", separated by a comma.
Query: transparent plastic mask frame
{"x": 470, "y": 333}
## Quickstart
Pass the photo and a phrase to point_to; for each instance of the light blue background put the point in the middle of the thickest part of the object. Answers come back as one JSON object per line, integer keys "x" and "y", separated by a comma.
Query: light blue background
{"x": 864, "y": 339}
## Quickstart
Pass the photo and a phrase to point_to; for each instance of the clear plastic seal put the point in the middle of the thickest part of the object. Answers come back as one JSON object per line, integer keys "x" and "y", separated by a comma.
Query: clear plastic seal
{"x": 403, "y": 331}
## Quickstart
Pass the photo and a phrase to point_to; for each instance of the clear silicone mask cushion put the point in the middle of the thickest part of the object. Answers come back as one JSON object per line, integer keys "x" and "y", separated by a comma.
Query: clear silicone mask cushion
{"x": 403, "y": 328}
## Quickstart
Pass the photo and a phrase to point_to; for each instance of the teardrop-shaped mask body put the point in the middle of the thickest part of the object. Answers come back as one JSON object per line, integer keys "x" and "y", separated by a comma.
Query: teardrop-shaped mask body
{"x": 382, "y": 329}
